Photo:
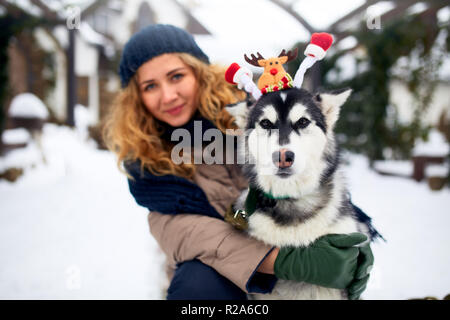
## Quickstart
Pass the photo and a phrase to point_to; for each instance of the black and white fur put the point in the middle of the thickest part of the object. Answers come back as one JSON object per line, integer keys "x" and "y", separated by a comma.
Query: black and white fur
{"x": 318, "y": 202}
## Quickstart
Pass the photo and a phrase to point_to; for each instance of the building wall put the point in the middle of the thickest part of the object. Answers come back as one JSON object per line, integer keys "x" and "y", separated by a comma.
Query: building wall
{"x": 29, "y": 68}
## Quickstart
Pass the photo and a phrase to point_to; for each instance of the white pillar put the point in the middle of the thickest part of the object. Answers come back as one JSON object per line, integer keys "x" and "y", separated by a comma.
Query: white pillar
{"x": 94, "y": 98}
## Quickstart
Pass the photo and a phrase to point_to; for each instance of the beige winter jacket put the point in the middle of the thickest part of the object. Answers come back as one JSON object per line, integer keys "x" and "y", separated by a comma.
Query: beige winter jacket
{"x": 216, "y": 243}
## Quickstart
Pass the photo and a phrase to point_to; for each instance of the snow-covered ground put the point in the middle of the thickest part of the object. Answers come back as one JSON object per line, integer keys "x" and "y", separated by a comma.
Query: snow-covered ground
{"x": 69, "y": 229}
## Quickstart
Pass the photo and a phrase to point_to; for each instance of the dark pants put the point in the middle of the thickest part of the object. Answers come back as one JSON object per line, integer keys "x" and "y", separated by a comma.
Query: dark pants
{"x": 194, "y": 280}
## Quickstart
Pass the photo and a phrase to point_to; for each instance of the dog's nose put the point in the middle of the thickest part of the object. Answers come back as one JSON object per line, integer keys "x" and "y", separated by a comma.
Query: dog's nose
{"x": 273, "y": 71}
{"x": 283, "y": 158}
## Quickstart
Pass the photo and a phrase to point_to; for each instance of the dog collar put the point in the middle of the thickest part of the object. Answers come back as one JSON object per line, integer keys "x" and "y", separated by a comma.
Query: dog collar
{"x": 239, "y": 218}
{"x": 271, "y": 196}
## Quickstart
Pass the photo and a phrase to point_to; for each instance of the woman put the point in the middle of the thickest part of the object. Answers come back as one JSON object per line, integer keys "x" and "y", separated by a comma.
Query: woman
{"x": 167, "y": 84}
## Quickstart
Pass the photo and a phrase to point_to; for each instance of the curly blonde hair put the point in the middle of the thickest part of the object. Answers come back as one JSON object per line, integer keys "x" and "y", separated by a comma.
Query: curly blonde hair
{"x": 132, "y": 133}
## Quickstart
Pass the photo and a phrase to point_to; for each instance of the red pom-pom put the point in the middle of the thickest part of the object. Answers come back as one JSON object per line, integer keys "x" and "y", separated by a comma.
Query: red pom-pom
{"x": 231, "y": 71}
{"x": 323, "y": 40}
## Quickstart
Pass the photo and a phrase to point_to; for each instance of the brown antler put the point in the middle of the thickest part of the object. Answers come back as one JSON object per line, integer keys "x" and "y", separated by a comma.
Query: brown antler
{"x": 254, "y": 60}
{"x": 291, "y": 55}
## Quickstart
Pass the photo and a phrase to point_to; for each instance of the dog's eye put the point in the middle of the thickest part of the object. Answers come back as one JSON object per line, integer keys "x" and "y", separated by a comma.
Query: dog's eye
{"x": 266, "y": 124}
{"x": 302, "y": 123}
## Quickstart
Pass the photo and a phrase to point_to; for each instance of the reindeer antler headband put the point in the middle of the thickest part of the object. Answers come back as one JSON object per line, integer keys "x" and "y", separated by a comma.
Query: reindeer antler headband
{"x": 275, "y": 77}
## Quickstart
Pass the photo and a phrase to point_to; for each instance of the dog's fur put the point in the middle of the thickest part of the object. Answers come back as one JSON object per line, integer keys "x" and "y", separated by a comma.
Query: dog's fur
{"x": 318, "y": 202}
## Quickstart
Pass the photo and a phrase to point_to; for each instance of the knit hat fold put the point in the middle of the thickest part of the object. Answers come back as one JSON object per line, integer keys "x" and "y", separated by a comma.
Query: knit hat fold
{"x": 152, "y": 41}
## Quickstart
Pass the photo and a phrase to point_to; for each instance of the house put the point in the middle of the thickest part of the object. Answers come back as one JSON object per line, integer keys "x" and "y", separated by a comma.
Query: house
{"x": 39, "y": 59}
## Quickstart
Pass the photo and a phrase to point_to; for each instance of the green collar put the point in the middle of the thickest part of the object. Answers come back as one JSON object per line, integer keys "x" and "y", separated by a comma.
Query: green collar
{"x": 239, "y": 218}
{"x": 269, "y": 195}
{"x": 252, "y": 196}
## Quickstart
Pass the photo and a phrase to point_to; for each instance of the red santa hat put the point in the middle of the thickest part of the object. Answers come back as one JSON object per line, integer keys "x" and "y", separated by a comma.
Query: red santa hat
{"x": 316, "y": 50}
{"x": 319, "y": 44}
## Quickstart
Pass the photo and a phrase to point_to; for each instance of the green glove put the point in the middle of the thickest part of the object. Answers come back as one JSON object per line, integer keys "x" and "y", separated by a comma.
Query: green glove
{"x": 365, "y": 263}
{"x": 330, "y": 261}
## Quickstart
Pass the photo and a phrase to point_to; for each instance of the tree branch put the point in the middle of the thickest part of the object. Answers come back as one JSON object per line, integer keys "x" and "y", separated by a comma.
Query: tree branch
{"x": 48, "y": 13}
{"x": 332, "y": 28}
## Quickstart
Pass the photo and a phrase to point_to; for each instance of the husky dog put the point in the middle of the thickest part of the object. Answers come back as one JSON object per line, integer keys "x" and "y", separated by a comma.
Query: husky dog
{"x": 292, "y": 156}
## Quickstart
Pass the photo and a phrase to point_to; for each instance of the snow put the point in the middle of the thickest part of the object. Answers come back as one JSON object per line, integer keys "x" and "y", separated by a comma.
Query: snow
{"x": 29, "y": 7}
{"x": 437, "y": 170}
{"x": 90, "y": 35}
{"x": 414, "y": 261}
{"x": 13, "y": 136}
{"x": 71, "y": 230}
{"x": 347, "y": 66}
{"x": 435, "y": 146}
{"x": 400, "y": 167}
{"x": 27, "y": 105}
{"x": 379, "y": 8}
{"x": 347, "y": 43}
{"x": 443, "y": 15}
{"x": 417, "y": 8}
{"x": 25, "y": 158}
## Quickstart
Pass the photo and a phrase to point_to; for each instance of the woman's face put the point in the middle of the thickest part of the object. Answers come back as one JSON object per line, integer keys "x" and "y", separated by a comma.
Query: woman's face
{"x": 168, "y": 89}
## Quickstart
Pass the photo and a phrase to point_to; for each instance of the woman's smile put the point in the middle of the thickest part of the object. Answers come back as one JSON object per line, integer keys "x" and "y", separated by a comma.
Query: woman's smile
{"x": 177, "y": 110}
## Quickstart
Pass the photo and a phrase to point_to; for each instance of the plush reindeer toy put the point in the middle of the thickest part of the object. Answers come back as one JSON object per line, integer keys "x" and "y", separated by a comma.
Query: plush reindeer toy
{"x": 274, "y": 75}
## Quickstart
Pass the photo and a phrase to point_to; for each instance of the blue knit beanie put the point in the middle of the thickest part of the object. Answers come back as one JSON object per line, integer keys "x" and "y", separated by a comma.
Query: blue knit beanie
{"x": 153, "y": 41}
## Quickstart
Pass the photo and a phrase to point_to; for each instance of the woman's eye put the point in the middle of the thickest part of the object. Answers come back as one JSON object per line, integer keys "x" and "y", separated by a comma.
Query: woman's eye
{"x": 302, "y": 123}
{"x": 177, "y": 76}
{"x": 149, "y": 87}
{"x": 266, "y": 124}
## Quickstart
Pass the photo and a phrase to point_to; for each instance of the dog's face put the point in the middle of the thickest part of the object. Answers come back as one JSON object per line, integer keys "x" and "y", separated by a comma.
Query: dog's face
{"x": 289, "y": 140}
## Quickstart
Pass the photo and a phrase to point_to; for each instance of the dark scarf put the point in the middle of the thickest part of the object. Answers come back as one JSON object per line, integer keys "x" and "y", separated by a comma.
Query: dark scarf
{"x": 170, "y": 194}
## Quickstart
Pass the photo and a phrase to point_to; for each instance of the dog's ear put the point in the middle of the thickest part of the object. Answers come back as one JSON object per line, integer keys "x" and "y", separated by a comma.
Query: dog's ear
{"x": 330, "y": 104}
{"x": 239, "y": 111}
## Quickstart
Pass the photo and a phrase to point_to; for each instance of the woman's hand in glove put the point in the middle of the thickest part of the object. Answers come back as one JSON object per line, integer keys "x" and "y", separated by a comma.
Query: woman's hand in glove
{"x": 330, "y": 261}
{"x": 365, "y": 263}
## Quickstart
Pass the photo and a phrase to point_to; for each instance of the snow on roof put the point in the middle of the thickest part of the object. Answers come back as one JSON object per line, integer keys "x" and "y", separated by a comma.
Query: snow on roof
{"x": 17, "y": 135}
{"x": 90, "y": 35}
{"x": 61, "y": 5}
{"x": 443, "y": 15}
{"x": 437, "y": 170}
{"x": 379, "y": 8}
{"x": 417, "y": 8}
{"x": 435, "y": 146}
{"x": 27, "y": 105}
{"x": 29, "y": 7}
{"x": 399, "y": 167}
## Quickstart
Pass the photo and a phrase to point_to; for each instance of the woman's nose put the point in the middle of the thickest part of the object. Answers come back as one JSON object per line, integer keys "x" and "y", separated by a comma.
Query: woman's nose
{"x": 169, "y": 93}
